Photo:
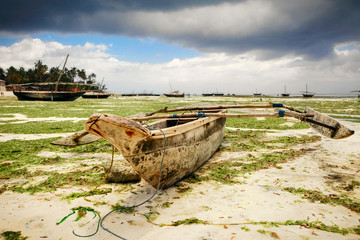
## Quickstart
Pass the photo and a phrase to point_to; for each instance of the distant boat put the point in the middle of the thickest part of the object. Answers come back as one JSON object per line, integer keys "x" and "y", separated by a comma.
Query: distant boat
{"x": 257, "y": 94}
{"x": 128, "y": 94}
{"x": 48, "y": 91}
{"x": 285, "y": 94}
{"x": 96, "y": 94}
{"x": 148, "y": 94}
{"x": 307, "y": 94}
{"x": 174, "y": 94}
{"x": 212, "y": 94}
{"x": 358, "y": 91}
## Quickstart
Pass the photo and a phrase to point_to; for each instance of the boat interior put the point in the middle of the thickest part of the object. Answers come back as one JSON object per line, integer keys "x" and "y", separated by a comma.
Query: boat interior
{"x": 167, "y": 123}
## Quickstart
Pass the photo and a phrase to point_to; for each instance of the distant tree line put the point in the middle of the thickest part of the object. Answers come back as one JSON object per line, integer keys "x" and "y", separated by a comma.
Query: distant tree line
{"x": 42, "y": 73}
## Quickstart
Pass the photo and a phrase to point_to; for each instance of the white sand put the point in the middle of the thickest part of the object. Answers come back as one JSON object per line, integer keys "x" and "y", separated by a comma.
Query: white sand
{"x": 260, "y": 198}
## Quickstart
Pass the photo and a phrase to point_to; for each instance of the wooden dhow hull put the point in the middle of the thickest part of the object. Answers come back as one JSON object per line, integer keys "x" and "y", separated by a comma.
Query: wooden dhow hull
{"x": 48, "y": 95}
{"x": 186, "y": 145}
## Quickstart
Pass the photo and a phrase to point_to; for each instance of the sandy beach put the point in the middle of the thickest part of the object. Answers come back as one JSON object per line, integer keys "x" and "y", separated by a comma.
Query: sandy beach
{"x": 258, "y": 207}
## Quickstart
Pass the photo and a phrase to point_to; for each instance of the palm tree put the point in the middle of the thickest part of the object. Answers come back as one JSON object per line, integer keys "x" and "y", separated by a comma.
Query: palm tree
{"x": 40, "y": 70}
{"x": 82, "y": 74}
{"x": 91, "y": 78}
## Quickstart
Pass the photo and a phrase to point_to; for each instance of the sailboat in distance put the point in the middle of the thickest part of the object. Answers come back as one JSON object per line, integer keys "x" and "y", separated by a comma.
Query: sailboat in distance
{"x": 307, "y": 94}
{"x": 285, "y": 94}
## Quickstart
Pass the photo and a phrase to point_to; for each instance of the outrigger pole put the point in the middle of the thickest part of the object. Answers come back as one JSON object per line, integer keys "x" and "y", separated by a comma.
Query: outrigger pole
{"x": 322, "y": 123}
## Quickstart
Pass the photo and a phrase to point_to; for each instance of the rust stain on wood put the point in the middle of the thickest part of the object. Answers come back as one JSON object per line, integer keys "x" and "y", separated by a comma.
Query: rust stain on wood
{"x": 129, "y": 133}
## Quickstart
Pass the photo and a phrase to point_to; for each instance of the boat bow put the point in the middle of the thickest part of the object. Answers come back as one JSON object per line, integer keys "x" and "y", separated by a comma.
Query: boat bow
{"x": 120, "y": 131}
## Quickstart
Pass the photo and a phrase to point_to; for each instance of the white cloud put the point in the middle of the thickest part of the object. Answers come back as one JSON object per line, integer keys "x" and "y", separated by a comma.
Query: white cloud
{"x": 235, "y": 74}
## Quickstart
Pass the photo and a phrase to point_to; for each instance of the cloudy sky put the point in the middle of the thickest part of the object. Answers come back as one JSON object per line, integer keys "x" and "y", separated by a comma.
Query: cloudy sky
{"x": 236, "y": 47}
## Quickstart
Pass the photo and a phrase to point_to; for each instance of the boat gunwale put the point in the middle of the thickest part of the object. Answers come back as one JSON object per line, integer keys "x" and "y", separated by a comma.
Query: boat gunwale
{"x": 185, "y": 127}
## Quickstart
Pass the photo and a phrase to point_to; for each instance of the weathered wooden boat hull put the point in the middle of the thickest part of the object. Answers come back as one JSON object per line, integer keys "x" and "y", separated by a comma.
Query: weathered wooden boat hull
{"x": 186, "y": 146}
{"x": 48, "y": 95}
{"x": 102, "y": 96}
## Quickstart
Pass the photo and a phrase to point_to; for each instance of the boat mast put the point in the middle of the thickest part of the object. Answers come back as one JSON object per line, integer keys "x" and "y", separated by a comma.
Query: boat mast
{"x": 62, "y": 72}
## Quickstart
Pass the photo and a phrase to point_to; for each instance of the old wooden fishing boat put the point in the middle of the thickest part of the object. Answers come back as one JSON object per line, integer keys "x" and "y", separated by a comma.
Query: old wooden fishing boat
{"x": 187, "y": 143}
{"x": 178, "y": 144}
{"x": 48, "y": 91}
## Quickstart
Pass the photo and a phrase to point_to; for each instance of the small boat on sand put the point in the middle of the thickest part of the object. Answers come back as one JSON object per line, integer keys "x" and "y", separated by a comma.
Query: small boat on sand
{"x": 175, "y": 145}
{"x": 45, "y": 92}
{"x": 48, "y": 91}
{"x": 188, "y": 144}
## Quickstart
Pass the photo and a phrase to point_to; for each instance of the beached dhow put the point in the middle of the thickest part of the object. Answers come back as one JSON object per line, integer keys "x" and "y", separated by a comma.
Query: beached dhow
{"x": 48, "y": 91}
{"x": 177, "y": 146}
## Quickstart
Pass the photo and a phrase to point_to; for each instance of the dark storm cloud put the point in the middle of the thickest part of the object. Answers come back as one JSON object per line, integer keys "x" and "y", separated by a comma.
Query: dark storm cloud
{"x": 276, "y": 27}
{"x": 23, "y": 16}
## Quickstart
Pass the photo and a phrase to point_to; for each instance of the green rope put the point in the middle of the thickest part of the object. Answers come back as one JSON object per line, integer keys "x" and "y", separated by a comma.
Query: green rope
{"x": 82, "y": 211}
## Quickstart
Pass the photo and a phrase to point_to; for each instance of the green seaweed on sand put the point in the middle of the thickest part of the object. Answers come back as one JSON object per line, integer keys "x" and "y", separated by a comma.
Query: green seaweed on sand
{"x": 267, "y": 123}
{"x": 151, "y": 216}
{"x": 227, "y": 172}
{"x": 122, "y": 209}
{"x": 102, "y": 191}
{"x": 42, "y": 127}
{"x": 11, "y": 235}
{"x": 249, "y": 140}
{"x": 55, "y": 180}
{"x": 303, "y": 223}
{"x": 316, "y": 196}
{"x": 351, "y": 186}
{"x": 188, "y": 221}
